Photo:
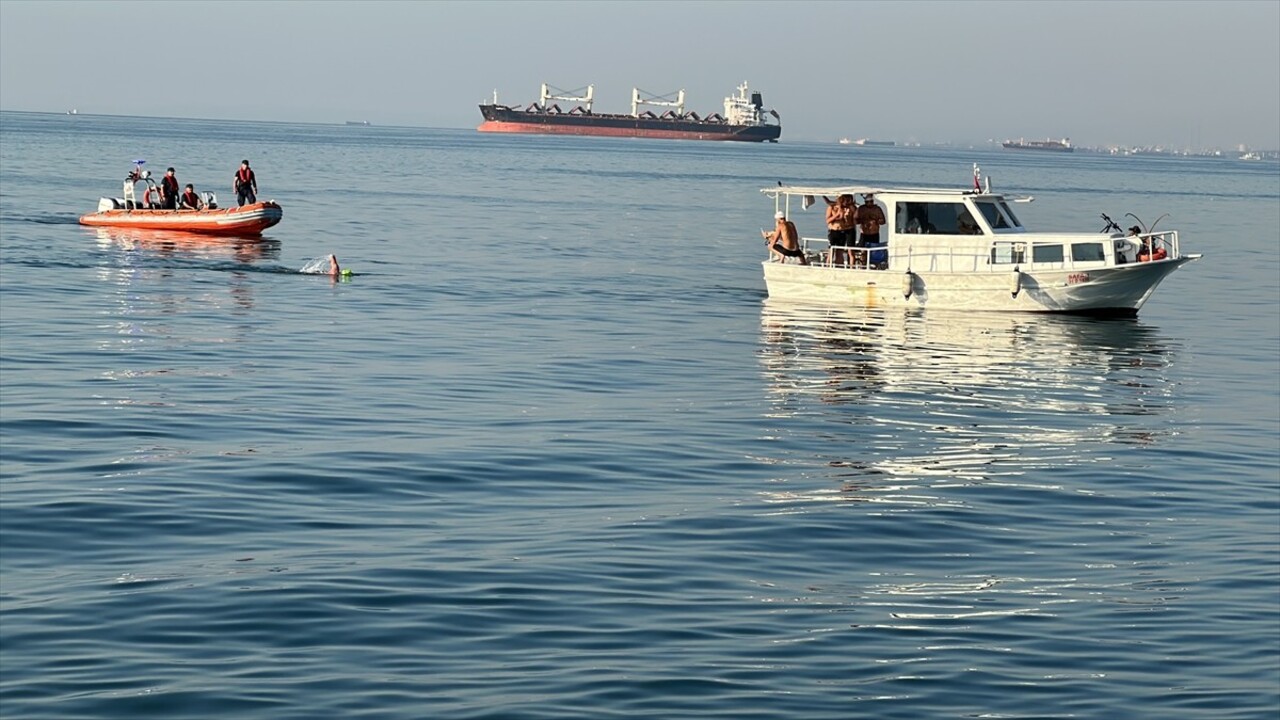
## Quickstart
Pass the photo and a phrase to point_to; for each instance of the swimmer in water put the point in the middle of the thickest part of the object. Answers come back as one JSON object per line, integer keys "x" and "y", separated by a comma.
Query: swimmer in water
{"x": 334, "y": 270}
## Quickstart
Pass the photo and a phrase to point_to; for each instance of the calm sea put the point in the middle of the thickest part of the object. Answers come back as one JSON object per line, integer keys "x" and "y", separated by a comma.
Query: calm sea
{"x": 552, "y": 454}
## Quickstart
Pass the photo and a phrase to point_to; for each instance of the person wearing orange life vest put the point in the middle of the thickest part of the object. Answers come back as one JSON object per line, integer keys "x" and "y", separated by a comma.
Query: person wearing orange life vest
{"x": 246, "y": 184}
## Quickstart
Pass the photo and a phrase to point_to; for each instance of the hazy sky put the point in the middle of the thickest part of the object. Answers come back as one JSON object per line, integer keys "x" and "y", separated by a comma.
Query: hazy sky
{"x": 1179, "y": 74}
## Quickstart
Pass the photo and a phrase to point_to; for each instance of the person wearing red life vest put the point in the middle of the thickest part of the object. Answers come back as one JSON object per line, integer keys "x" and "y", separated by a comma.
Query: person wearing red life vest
{"x": 190, "y": 200}
{"x": 169, "y": 190}
{"x": 246, "y": 184}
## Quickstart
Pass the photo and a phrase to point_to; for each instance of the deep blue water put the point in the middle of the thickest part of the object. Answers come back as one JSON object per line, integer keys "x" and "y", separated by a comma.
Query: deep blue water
{"x": 552, "y": 454}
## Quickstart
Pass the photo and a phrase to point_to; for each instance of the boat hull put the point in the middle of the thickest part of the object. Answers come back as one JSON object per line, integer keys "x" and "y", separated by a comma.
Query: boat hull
{"x": 1117, "y": 291}
{"x": 245, "y": 220}
{"x": 504, "y": 120}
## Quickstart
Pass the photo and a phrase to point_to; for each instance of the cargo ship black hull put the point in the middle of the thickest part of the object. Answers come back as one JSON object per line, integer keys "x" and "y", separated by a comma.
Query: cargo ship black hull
{"x": 502, "y": 119}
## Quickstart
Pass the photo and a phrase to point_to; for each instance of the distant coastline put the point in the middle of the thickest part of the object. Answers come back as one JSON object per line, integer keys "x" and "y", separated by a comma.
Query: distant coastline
{"x": 1235, "y": 151}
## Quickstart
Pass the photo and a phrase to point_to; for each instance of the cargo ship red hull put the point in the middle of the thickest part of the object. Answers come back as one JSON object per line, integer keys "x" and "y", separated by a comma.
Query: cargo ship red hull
{"x": 500, "y": 119}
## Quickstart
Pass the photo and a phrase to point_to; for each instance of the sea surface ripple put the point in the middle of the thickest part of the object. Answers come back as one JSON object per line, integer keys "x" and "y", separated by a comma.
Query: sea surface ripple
{"x": 551, "y": 453}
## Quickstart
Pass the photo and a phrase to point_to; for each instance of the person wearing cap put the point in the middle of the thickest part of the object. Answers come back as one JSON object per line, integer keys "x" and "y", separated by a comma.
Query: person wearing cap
{"x": 169, "y": 190}
{"x": 190, "y": 200}
{"x": 869, "y": 218}
{"x": 784, "y": 241}
{"x": 246, "y": 184}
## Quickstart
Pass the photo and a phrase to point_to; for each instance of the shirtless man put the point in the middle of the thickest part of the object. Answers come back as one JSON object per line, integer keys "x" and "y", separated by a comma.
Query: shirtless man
{"x": 840, "y": 222}
{"x": 784, "y": 241}
{"x": 870, "y": 217}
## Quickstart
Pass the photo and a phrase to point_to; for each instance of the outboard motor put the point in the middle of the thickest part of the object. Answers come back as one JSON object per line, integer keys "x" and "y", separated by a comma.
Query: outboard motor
{"x": 210, "y": 200}
{"x": 105, "y": 204}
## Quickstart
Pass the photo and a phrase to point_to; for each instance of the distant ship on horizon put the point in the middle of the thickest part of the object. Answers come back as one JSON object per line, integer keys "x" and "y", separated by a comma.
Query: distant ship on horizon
{"x": 745, "y": 118}
{"x": 365, "y": 123}
{"x": 868, "y": 143}
{"x": 1063, "y": 145}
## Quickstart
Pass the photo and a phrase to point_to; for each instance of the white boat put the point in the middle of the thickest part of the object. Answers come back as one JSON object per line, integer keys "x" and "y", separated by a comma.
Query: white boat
{"x": 968, "y": 250}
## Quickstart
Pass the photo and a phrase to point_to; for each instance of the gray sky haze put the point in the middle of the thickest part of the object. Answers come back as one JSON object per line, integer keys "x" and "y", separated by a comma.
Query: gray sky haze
{"x": 1187, "y": 74}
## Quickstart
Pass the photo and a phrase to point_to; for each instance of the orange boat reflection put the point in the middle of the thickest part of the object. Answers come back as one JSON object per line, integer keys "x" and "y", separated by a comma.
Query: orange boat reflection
{"x": 239, "y": 249}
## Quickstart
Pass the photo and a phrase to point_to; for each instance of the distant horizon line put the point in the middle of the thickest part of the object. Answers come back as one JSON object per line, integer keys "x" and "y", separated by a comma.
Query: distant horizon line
{"x": 366, "y": 123}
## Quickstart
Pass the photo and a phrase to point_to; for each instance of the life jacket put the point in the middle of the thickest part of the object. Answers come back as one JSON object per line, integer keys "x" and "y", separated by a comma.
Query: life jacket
{"x": 169, "y": 184}
{"x": 1158, "y": 254}
{"x": 191, "y": 199}
{"x": 244, "y": 177}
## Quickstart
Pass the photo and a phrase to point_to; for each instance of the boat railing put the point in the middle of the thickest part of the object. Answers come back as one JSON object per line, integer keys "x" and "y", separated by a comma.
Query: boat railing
{"x": 866, "y": 257}
{"x": 1002, "y": 254}
{"x": 1166, "y": 240}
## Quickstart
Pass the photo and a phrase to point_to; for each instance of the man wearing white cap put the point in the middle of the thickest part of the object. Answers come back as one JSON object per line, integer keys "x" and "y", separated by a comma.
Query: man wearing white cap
{"x": 784, "y": 242}
{"x": 870, "y": 217}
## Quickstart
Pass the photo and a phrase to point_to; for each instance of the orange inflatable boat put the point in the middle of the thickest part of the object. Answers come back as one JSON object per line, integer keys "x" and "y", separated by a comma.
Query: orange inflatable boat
{"x": 244, "y": 220}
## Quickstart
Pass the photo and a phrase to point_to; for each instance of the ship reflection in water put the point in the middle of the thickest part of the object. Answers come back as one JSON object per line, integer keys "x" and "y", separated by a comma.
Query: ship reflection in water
{"x": 907, "y": 408}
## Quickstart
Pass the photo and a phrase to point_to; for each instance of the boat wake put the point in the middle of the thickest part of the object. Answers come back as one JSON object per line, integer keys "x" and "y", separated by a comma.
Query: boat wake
{"x": 316, "y": 266}
{"x": 134, "y": 262}
{"x": 39, "y": 219}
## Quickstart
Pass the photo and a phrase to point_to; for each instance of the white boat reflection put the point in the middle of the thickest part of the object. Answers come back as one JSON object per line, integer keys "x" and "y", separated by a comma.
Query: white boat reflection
{"x": 897, "y": 405}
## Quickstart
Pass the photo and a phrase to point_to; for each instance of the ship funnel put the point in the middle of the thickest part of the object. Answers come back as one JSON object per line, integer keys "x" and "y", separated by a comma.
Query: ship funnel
{"x": 757, "y": 99}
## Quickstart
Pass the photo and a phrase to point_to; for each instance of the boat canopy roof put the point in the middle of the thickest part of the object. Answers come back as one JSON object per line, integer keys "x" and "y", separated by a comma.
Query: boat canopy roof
{"x": 837, "y": 190}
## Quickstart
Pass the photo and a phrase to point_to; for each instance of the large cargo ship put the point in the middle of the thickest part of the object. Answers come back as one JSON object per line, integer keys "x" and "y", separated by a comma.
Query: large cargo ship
{"x": 1063, "y": 145}
{"x": 745, "y": 118}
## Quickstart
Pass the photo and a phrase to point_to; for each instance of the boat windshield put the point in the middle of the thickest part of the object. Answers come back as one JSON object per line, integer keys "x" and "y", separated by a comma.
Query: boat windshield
{"x": 935, "y": 218}
{"x": 998, "y": 214}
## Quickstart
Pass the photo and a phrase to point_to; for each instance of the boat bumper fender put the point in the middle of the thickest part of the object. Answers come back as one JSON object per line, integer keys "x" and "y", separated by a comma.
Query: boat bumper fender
{"x": 1015, "y": 283}
{"x": 908, "y": 284}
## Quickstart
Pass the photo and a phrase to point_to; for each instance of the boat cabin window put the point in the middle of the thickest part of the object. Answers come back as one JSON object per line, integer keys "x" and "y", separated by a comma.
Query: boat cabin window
{"x": 935, "y": 218}
{"x": 1008, "y": 212}
{"x": 1008, "y": 253}
{"x": 1046, "y": 253}
{"x": 995, "y": 218}
{"x": 1088, "y": 252}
